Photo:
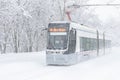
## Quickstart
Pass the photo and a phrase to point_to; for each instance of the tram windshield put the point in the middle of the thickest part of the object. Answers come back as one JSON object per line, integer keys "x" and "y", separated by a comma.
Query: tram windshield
{"x": 57, "y": 42}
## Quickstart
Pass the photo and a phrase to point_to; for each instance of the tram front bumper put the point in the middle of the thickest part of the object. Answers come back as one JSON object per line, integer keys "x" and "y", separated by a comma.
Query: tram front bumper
{"x": 61, "y": 59}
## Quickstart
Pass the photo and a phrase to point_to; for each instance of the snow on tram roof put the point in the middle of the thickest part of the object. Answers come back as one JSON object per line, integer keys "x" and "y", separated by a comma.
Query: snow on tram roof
{"x": 82, "y": 27}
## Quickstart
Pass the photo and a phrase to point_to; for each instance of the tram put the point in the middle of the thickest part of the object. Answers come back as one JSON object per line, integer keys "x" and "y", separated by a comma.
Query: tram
{"x": 69, "y": 43}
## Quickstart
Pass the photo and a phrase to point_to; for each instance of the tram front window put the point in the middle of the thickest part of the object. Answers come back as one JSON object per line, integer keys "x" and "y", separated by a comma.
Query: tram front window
{"x": 57, "y": 42}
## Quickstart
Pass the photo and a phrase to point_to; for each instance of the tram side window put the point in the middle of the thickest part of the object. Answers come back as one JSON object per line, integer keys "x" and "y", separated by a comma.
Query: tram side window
{"x": 87, "y": 44}
{"x": 101, "y": 43}
{"x": 107, "y": 43}
{"x": 93, "y": 44}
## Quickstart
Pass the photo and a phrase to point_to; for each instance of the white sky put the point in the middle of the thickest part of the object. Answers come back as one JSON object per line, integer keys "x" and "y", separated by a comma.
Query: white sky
{"x": 107, "y": 12}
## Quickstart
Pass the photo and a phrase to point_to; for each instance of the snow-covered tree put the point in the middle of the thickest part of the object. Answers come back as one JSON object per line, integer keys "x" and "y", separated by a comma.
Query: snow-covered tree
{"x": 23, "y": 22}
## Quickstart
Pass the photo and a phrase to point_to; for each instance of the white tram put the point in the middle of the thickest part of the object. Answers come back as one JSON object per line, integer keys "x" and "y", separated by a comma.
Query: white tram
{"x": 69, "y": 43}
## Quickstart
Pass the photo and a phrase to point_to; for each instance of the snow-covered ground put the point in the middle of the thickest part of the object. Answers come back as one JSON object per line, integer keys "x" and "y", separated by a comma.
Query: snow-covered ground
{"x": 32, "y": 66}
